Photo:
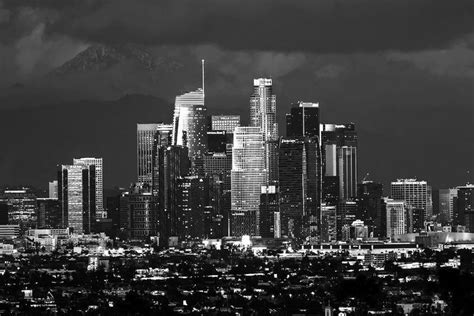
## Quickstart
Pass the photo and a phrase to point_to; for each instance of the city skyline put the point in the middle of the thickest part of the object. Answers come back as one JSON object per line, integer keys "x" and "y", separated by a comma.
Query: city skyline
{"x": 321, "y": 163}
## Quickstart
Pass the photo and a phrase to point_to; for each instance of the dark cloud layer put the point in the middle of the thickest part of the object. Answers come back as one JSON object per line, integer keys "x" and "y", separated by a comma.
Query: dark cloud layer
{"x": 281, "y": 25}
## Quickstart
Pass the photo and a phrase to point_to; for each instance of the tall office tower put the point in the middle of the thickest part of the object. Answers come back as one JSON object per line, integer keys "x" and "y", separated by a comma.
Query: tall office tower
{"x": 189, "y": 125}
{"x": 416, "y": 193}
{"x": 174, "y": 163}
{"x": 76, "y": 195}
{"x": 263, "y": 115}
{"x": 145, "y": 140}
{"x": 193, "y": 203}
{"x": 303, "y": 120}
{"x": 446, "y": 203}
{"x": 396, "y": 211}
{"x": 346, "y": 214}
{"x": 339, "y": 152}
{"x": 218, "y": 166}
{"x": 22, "y": 207}
{"x": 49, "y": 213}
{"x": 139, "y": 210}
{"x": 300, "y": 184}
{"x": 269, "y": 212}
{"x": 464, "y": 207}
{"x": 247, "y": 177}
{"x": 53, "y": 189}
{"x": 225, "y": 123}
{"x": 162, "y": 138}
{"x": 370, "y": 206}
{"x": 328, "y": 223}
{"x": 99, "y": 183}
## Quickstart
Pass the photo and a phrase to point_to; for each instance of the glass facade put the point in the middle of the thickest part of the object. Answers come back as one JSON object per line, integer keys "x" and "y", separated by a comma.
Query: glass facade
{"x": 76, "y": 195}
{"x": 263, "y": 115}
{"x": 99, "y": 182}
{"x": 339, "y": 157}
{"x": 303, "y": 120}
{"x": 145, "y": 140}
{"x": 248, "y": 175}
{"x": 190, "y": 124}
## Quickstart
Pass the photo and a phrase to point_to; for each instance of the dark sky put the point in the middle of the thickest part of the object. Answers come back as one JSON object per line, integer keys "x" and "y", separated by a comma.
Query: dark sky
{"x": 402, "y": 70}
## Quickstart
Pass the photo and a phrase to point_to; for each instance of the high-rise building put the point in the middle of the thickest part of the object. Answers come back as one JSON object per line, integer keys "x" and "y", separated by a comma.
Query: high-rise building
{"x": 446, "y": 203}
{"x": 174, "y": 163}
{"x": 162, "y": 139}
{"x": 346, "y": 214}
{"x": 396, "y": 211}
{"x": 300, "y": 184}
{"x": 190, "y": 124}
{"x": 339, "y": 152}
{"x": 22, "y": 207}
{"x": 145, "y": 145}
{"x": 76, "y": 195}
{"x": 225, "y": 123}
{"x": 53, "y": 189}
{"x": 303, "y": 120}
{"x": 464, "y": 207}
{"x": 99, "y": 183}
{"x": 269, "y": 212}
{"x": 416, "y": 194}
{"x": 328, "y": 223}
{"x": 247, "y": 177}
{"x": 139, "y": 209}
{"x": 369, "y": 204}
{"x": 49, "y": 213}
{"x": 193, "y": 204}
{"x": 263, "y": 115}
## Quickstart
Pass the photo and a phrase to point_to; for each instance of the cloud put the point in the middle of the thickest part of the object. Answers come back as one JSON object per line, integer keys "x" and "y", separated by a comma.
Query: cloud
{"x": 35, "y": 52}
{"x": 322, "y": 26}
{"x": 457, "y": 60}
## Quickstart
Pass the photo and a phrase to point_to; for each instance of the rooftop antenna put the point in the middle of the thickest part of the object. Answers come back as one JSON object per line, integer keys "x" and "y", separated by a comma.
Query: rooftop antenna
{"x": 202, "y": 69}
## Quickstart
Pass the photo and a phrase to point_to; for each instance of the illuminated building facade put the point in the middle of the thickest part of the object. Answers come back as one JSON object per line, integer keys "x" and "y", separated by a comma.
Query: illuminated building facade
{"x": 76, "y": 195}
{"x": 247, "y": 177}
{"x": 263, "y": 115}
{"x": 190, "y": 124}
{"x": 99, "y": 182}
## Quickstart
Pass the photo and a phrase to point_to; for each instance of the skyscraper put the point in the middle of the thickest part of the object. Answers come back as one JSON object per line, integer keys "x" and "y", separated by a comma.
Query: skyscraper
{"x": 76, "y": 195}
{"x": 464, "y": 207}
{"x": 303, "y": 120}
{"x": 370, "y": 206}
{"x": 174, "y": 163}
{"x": 416, "y": 194}
{"x": 446, "y": 203}
{"x": 162, "y": 139}
{"x": 193, "y": 202}
{"x": 248, "y": 176}
{"x": 99, "y": 183}
{"x": 139, "y": 209}
{"x": 300, "y": 183}
{"x": 269, "y": 212}
{"x": 339, "y": 152}
{"x": 263, "y": 115}
{"x": 189, "y": 124}
{"x": 396, "y": 221}
{"x": 145, "y": 141}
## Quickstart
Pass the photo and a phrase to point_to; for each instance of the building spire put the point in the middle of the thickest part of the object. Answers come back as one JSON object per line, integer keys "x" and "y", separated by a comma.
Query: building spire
{"x": 202, "y": 69}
